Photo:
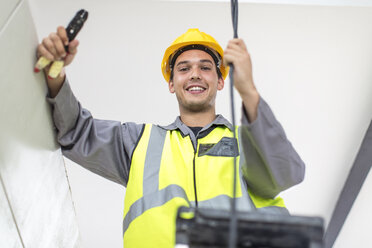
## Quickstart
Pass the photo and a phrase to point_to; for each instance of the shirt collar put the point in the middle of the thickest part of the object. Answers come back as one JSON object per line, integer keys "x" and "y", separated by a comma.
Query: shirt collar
{"x": 178, "y": 124}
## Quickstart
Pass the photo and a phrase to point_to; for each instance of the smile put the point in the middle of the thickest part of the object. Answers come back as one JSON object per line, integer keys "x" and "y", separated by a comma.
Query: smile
{"x": 195, "y": 89}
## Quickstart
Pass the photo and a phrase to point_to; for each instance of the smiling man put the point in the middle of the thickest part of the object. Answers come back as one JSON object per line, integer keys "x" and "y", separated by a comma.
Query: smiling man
{"x": 189, "y": 162}
{"x": 195, "y": 82}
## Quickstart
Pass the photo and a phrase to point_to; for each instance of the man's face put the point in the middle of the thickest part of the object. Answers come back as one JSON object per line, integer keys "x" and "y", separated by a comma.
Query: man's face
{"x": 195, "y": 81}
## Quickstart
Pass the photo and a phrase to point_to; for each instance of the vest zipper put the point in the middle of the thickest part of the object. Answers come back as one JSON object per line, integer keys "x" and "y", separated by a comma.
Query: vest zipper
{"x": 196, "y": 196}
{"x": 194, "y": 167}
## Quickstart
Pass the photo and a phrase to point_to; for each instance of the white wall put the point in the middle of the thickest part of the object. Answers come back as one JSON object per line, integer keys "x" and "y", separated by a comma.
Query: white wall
{"x": 36, "y": 209}
{"x": 311, "y": 63}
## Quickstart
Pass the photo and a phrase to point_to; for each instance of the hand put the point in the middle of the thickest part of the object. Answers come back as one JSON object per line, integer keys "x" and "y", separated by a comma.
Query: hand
{"x": 53, "y": 47}
{"x": 236, "y": 53}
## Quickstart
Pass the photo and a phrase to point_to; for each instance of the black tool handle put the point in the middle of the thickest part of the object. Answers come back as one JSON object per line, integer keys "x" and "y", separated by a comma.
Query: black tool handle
{"x": 75, "y": 25}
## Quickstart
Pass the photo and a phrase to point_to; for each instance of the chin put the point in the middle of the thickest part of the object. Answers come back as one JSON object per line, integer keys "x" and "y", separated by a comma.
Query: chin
{"x": 197, "y": 107}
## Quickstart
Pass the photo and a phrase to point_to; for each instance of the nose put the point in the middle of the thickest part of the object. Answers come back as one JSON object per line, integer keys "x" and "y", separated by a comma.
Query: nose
{"x": 195, "y": 74}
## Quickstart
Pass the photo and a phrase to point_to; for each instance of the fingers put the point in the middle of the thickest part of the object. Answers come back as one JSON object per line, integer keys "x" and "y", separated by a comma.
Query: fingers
{"x": 52, "y": 54}
{"x": 48, "y": 45}
{"x": 53, "y": 46}
{"x": 61, "y": 31}
{"x": 235, "y": 51}
{"x": 72, "y": 47}
{"x": 58, "y": 46}
{"x": 235, "y": 56}
{"x": 237, "y": 44}
{"x": 72, "y": 50}
{"x": 43, "y": 52}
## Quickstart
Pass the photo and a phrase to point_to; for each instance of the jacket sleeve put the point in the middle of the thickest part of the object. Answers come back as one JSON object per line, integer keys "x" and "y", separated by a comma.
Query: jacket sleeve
{"x": 101, "y": 146}
{"x": 272, "y": 164}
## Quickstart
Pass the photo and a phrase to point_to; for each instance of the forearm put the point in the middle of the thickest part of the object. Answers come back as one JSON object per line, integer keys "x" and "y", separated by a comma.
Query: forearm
{"x": 55, "y": 84}
{"x": 65, "y": 108}
{"x": 250, "y": 102}
{"x": 272, "y": 164}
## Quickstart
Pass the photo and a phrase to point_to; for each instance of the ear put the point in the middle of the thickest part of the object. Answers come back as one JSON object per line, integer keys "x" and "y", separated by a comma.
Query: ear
{"x": 220, "y": 84}
{"x": 171, "y": 87}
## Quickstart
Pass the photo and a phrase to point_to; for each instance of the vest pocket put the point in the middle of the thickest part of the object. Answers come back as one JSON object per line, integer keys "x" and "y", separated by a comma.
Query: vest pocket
{"x": 226, "y": 147}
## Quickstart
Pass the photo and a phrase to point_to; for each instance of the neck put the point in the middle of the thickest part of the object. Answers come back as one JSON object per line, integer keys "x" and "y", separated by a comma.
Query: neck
{"x": 197, "y": 119}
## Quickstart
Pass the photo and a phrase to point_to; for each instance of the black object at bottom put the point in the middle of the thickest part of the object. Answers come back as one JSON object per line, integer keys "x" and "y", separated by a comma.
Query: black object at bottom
{"x": 202, "y": 228}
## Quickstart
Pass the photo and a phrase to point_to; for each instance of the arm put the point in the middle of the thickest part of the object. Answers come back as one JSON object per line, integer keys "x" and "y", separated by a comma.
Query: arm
{"x": 52, "y": 48}
{"x": 272, "y": 164}
{"x": 236, "y": 53}
{"x": 101, "y": 146}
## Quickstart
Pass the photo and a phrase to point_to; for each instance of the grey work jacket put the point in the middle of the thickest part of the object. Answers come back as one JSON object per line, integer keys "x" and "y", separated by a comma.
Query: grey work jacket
{"x": 106, "y": 147}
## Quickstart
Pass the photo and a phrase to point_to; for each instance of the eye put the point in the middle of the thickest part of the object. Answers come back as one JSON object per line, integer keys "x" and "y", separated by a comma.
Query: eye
{"x": 206, "y": 68}
{"x": 183, "y": 69}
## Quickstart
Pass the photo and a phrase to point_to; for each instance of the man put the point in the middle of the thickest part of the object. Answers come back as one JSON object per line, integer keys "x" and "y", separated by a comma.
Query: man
{"x": 189, "y": 162}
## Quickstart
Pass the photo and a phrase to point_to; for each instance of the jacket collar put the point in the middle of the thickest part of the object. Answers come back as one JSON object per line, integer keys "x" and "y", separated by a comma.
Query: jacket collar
{"x": 178, "y": 124}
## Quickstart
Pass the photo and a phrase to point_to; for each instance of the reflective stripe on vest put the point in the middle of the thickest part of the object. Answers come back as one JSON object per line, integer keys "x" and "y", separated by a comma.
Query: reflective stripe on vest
{"x": 161, "y": 180}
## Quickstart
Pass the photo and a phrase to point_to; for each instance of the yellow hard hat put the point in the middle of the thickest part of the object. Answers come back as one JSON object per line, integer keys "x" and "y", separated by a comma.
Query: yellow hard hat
{"x": 192, "y": 37}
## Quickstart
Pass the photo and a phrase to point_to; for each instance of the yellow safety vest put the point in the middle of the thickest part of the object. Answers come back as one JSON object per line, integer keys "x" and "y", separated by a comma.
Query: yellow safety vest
{"x": 167, "y": 172}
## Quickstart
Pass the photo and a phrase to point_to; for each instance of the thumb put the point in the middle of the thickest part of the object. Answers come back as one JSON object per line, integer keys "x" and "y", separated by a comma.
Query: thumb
{"x": 72, "y": 51}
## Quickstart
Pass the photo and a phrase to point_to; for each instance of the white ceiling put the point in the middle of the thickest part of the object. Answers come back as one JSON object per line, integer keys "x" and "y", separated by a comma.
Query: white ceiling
{"x": 296, "y": 2}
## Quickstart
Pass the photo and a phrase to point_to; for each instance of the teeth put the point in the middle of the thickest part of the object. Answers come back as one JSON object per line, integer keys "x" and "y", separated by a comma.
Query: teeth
{"x": 195, "y": 88}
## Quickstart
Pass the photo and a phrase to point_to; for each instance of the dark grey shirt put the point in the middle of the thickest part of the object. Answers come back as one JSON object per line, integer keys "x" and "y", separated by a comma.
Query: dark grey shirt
{"x": 106, "y": 147}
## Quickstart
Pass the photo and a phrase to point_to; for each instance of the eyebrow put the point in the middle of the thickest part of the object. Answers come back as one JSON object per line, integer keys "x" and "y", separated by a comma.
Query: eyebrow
{"x": 202, "y": 61}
